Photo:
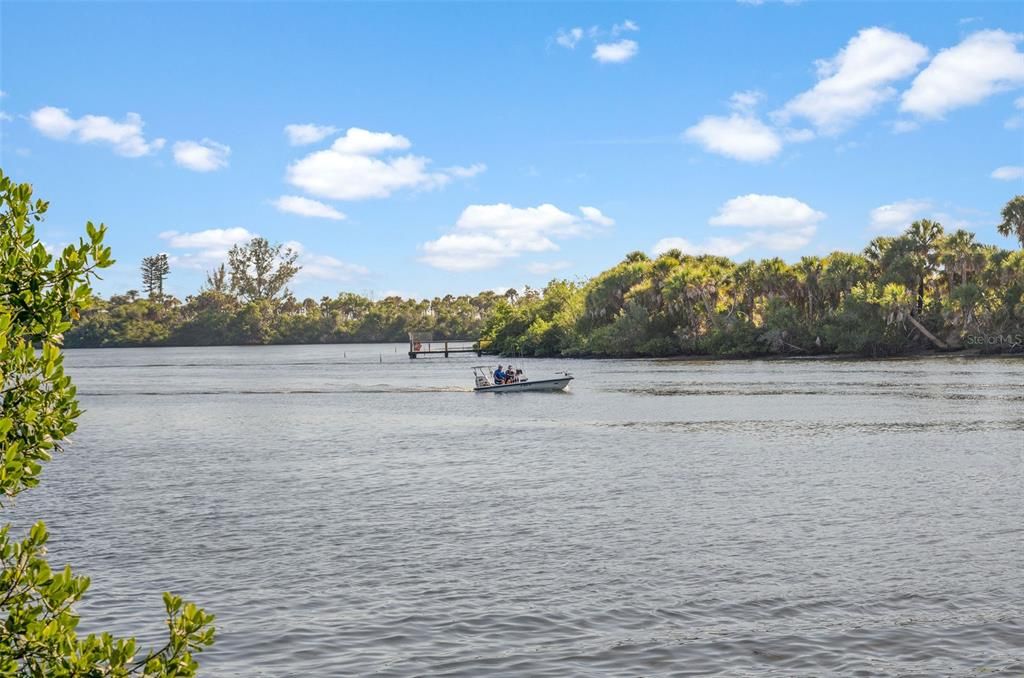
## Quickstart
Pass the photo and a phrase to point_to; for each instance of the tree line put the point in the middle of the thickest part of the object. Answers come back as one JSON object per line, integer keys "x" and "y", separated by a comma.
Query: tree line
{"x": 926, "y": 288}
{"x": 247, "y": 301}
{"x": 922, "y": 289}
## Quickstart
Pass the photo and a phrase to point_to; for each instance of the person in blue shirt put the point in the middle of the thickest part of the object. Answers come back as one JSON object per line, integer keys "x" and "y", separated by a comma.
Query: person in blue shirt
{"x": 499, "y": 376}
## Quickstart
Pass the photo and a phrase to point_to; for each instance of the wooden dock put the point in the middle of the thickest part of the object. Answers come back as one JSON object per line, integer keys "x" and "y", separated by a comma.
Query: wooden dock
{"x": 428, "y": 347}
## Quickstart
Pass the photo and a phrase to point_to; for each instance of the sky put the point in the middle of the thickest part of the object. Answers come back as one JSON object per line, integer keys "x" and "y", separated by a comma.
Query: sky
{"x": 425, "y": 149}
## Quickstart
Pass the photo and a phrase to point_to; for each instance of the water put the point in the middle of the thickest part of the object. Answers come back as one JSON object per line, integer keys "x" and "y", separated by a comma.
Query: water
{"x": 346, "y": 516}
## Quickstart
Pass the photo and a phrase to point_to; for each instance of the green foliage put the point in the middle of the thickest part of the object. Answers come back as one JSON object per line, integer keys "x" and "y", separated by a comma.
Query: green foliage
{"x": 961, "y": 294}
{"x": 154, "y": 270}
{"x": 1013, "y": 219}
{"x": 40, "y": 297}
{"x": 261, "y": 271}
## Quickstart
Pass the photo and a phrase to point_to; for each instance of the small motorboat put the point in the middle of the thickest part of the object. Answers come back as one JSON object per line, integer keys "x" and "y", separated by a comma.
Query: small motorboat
{"x": 484, "y": 382}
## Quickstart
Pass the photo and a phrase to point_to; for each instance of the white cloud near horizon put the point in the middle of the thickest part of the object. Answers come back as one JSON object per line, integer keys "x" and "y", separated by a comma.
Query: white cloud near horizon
{"x": 206, "y": 155}
{"x": 308, "y": 133}
{"x": 351, "y": 168}
{"x": 983, "y": 64}
{"x": 306, "y": 207}
{"x": 766, "y": 211}
{"x": 856, "y": 80}
{"x": 894, "y": 217}
{"x": 203, "y": 250}
{"x": 776, "y": 223}
{"x": 126, "y": 137}
{"x": 487, "y": 235}
{"x": 1008, "y": 173}
{"x": 617, "y": 52}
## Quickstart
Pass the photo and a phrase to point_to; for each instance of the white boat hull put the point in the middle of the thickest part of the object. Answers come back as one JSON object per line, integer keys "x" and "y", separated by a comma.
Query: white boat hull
{"x": 556, "y": 384}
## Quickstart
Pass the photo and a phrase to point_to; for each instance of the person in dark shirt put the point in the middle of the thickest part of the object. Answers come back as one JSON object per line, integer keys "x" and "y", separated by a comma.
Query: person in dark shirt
{"x": 499, "y": 376}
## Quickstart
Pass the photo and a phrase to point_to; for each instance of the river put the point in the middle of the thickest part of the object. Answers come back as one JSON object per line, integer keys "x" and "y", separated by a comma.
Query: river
{"x": 344, "y": 510}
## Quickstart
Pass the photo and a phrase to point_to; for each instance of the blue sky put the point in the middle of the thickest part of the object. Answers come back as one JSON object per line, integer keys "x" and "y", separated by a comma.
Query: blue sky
{"x": 455, "y": 147}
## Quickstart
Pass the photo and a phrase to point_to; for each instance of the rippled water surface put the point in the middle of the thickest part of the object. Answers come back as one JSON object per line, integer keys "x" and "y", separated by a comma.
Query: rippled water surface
{"x": 346, "y": 511}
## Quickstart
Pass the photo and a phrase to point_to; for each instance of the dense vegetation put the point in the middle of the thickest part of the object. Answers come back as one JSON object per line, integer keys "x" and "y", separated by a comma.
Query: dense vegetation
{"x": 40, "y": 297}
{"x": 923, "y": 289}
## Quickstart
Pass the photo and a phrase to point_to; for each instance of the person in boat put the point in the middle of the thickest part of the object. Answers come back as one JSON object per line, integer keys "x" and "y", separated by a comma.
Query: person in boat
{"x": 510, "y": 375}
{"x": 499, "y": 376}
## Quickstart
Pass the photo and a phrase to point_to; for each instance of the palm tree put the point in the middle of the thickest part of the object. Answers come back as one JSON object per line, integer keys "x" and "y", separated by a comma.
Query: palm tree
{"x": 960, "y": 255}
{"x": 1013, "y": 219}
{"x": 925, "y": 236}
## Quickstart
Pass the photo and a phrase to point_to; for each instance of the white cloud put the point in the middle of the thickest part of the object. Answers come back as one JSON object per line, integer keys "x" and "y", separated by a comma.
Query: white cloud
{"x": 349, "y": 170}
{"x": 746, "y": 101}
{"x": 307, "y": 207}
{"x": 547, "y": 267}
{"x": 201, "y": 156}
{"x": 1018, "y": 103}
{"x": 720, "y": 247}
{"x": 797, "y": 136}
{"x": 855, "y": 81}
{"x": 983, "y": 64}
{"x": 615, "y": 52}
{"x": 904, "y": 126}
{"x": 766, "y": 211}
{"x": 126, "y": 137}
{"x": 896, "y": 216}
{"x": 487, "y": 235}
{"x": 322, "y": 266}
{"x": 1008, "y": 173}
{"x": 364, "y": 142}
{"x": 739, "y": 136}
{"x": 210, "y": 246}
{"x": 212, "y": 238}
{"x": 627, "y": 25}
{"x": 300, "y": 135}
{"x": 594, "y": 216}
{"x": 569, "y": 39}
{"x": 467, "y": 172}
{"x": 5, "y": 116}
{"x": 778, "y": 223}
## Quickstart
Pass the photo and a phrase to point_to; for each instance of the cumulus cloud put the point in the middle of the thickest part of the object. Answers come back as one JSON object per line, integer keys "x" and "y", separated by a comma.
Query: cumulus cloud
{"x": 740, "y": 136}
{"x": 570, "y": 38}
{"x": 855, "y": 81}
{"x": 201, "y": 156}
{"x": 208, "y": 247}
{"x": 721, "y": 247}
{"x": 306, "y": 207}
{"x": 896, "y": 216}
{"x": 775, "y": 223}
{"x": 755, "y": 210}
{"x": 1008, "y": 173}
{"x": 322, "y": 266}
{"x": 615, "y": 52}
{"x": 594, "y": 216}
{"x": 351, "y": 168}
{"x": 300, "y": 135}
{"x": 125, "y": 137}
{"x": 203, "y": 250}
{"x": 467, "y": 172}
{"x": 487, "y": 235}
{"x": 626, "y": 26}
{"x": 983, "y": 64}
